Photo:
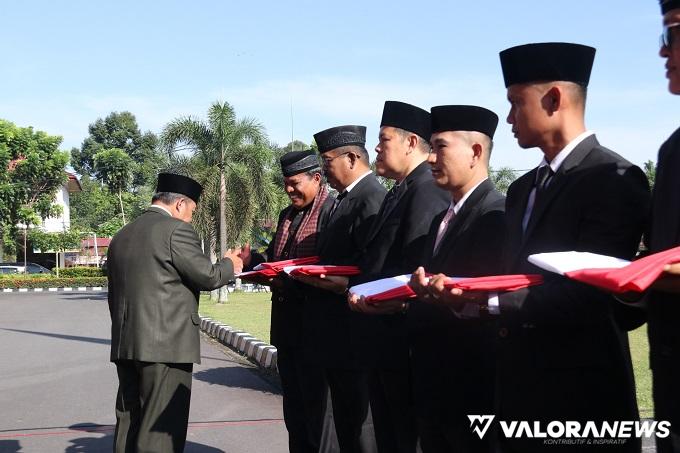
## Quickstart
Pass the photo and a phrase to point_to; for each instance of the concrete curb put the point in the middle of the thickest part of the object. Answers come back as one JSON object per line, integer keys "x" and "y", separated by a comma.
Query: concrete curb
{"x": 262, "y": 353}
{"x": 67, "y": 288}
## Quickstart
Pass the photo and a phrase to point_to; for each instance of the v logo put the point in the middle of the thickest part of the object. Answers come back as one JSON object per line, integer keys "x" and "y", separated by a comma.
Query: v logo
{"x": 480, "y": 423}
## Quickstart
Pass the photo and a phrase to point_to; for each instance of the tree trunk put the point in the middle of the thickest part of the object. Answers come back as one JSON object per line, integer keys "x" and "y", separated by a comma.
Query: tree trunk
{"x": 122, "y": 211}
{"x": 223, "y": 297}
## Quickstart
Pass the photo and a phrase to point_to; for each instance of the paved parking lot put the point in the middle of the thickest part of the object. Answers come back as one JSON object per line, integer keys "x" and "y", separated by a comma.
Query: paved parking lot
{"x": 57, "y": 386}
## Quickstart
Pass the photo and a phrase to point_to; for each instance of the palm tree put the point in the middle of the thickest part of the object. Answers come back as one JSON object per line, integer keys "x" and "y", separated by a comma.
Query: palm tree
{"x": 502, "y": 178}
{"x": 232, "y": 160}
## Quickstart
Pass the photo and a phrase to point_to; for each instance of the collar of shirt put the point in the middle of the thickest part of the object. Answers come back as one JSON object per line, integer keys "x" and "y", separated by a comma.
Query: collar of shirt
{"x": 459, "y": 205}
{"x": 562, "y": 155}
{"x": 356, "y": 181}
{"x": 161, "y": 208}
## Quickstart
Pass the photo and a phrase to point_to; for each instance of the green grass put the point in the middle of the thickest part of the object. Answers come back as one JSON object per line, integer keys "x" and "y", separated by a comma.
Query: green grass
{"x": 251, "y": 312}
{"x": 639, "y": 351}
{"x": 244, "y": 311}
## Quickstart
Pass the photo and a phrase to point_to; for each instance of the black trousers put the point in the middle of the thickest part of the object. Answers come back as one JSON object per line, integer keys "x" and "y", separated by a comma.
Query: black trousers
{"x": 666, "y": 380}
{"x": 308, "y": 388}
{"x": 393, "y": 411}
{"x": 152, "y": 406}
{"x": 304, "y": 401}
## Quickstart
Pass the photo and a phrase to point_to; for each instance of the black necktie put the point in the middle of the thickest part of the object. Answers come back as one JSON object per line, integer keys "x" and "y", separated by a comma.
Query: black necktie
{"x": 390, "y": 199}
{"x": 337, "y": 201}
{"x": 543, "y": 176}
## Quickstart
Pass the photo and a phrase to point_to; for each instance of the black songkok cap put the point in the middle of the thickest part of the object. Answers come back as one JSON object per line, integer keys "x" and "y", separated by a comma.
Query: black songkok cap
{"x": 296, "y": 162}
{"x": 407, "y": 117}
{"x": 547, "y": 62}
{"x": 667, "y": 5}
{"x": 464, "y": 118}
{"x": 335, "y": 137}
{"x": 170, "y": 182}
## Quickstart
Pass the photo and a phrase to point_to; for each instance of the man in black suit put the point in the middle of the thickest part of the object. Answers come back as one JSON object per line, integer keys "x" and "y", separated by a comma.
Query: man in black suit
{"x": 156, "y": 270}
{"x": 452, "y": 358}
{"x": 330, "y": 325}
{"x": 396, "y": 245}
{"x": 562, "y": 354}
{"x": 664, "y": 233}
{"x": 297, "y": 236}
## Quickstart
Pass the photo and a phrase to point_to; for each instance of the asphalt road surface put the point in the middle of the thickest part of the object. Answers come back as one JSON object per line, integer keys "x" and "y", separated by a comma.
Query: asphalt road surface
{"x": 57, "y": 386}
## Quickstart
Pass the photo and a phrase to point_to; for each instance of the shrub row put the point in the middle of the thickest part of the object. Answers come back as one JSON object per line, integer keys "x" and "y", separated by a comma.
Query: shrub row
{"x": 52, "y": 282}
{"x": 80, "y": 271}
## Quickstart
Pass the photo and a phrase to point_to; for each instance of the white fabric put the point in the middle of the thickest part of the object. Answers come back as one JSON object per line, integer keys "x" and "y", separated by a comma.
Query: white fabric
{"x": 356, "y": 181}
{"x": 563, "y": 262}
{"x": 379, "y": 286}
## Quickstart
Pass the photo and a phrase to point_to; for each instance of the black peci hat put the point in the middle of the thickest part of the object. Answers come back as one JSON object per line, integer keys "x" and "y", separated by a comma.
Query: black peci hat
{"x": 407, "y": 117}
{"x": 667, "y": 5}
{"x": 463, "y": 118}
{"x": 170, "y": 182}
{"x": 547, "y": 62}
{"x": 296, "y": 162}
{"x": 335, "y": 137}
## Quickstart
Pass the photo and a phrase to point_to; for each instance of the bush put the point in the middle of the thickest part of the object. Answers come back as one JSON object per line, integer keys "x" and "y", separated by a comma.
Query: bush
{"x": 80, "y": 271}
{"x": 51, "y": 282}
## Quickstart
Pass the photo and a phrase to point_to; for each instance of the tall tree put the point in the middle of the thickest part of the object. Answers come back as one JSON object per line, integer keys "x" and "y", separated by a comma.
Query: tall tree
{"x": 120, "y": 130}
{"x": 32, "y": 169}
{"x": 114, "y": 168}
{"x": 650, "y": 171}
{"x": 231, "y": 159}
{"x": 502, "y": 178}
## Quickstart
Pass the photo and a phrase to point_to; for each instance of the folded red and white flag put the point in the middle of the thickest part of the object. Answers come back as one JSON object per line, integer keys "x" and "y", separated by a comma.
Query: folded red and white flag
{"x": 397, "y": 287}
{"x": 607, "y": 272}
{"x": 264, "y": 271}
{"x": 315, "y": 270}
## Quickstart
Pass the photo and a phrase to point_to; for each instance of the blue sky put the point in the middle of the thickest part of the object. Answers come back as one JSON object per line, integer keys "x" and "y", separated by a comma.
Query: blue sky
{"x": 65, "y": 64}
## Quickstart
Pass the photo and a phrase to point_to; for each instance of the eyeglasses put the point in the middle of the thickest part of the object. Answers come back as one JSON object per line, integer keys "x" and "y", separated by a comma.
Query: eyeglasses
{"x": 667, "y": 37}
{"x": 327, "y": 160}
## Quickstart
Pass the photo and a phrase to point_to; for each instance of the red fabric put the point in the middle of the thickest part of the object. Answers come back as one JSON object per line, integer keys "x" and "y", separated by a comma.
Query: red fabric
{"x": 495, "y": 282}
{"x": 272, "y": 269}
{"x": 315, "y": 271}
{"x": 279, "y": 265}
{"x": 484, "y": 284}
{"x": 637, "y": 276}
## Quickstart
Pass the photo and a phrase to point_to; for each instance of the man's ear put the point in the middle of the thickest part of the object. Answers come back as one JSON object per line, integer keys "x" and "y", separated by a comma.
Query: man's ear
{"x": 555, "y": 97}
{"x": 477, "y": 152}
{"x": 412, "y": 142}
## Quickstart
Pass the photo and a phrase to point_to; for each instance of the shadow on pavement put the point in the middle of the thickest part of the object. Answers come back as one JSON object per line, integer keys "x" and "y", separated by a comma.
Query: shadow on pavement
{"x": 63, "y": 337}
{"x": 9, "y": 446}
{"x": 105, "y": 444}
{"x": 236, "y": 377}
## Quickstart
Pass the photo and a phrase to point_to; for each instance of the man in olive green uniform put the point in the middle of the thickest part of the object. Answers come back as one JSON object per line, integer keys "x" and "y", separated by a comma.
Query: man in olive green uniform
{"x": 156, "y": 271}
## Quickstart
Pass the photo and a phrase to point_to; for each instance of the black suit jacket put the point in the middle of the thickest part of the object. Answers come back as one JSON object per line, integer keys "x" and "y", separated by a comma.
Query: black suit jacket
{"x": 562, "y": 354}
{"x": 664, "y": 308}
{"x": 396, "y": 245}
{"x": 453, "y": 359}
{"x": 288, "y": 301}
{"x": 330, "y": 326}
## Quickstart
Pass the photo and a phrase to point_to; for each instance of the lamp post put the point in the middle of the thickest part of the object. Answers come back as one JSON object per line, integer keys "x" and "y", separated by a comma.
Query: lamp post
{"x": 96, "y": 250}
{"x": 24, "y": 227}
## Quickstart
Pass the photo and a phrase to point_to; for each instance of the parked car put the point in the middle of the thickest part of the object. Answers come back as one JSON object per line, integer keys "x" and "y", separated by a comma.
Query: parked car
{"x": 30, "y": 268}
{"x": 8, "y": 269}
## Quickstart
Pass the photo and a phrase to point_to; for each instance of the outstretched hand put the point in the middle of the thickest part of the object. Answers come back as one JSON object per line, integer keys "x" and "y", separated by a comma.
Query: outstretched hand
{"x": 235, "y": 257}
